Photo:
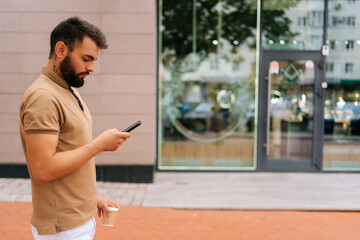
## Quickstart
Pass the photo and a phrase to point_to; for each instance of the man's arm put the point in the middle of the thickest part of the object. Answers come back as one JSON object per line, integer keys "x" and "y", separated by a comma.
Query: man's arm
{"x": 47, "y": 165}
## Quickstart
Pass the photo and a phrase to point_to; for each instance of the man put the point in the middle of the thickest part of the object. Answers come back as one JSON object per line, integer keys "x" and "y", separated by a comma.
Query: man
{"x": 56, "y": 134}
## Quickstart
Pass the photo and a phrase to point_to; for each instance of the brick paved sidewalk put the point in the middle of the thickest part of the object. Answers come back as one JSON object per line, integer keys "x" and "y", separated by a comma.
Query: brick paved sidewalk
{"x": 142, "y": 223}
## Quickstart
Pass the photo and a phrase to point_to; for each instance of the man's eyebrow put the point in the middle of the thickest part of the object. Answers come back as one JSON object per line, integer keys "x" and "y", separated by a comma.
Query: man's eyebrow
{"x": 89, "y": 56}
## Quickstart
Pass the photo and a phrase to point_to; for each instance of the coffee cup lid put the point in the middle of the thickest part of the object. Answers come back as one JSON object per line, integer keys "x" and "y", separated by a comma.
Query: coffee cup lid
{"x": 114, "y": 209}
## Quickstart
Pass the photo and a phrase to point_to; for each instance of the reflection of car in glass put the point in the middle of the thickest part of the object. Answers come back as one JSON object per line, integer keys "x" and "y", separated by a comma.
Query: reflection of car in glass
{"x": 290, "y": 107}
{"x": 346, "y": 115}
{"x": 289, "y": 111}
{"x": 353, "y": 111}
{"x": 351, "y": 117}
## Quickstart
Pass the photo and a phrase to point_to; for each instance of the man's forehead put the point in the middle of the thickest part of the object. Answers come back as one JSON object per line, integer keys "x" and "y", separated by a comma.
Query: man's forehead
{"x": 88, "y": 48}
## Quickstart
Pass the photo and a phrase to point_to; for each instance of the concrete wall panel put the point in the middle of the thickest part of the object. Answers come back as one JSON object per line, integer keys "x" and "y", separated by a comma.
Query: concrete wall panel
{"x": 122, "y": 89}
{"x": 102, "y": 122}
{"x": 128, "y": 64}
{"x": 9, "y": 123}
{"x": 125, "y": 6}
{"x": 128, "y": 23}
{"x": 131, "y": 43}
{"x": 25, "y": 42}
{"x": 122, "y": 84}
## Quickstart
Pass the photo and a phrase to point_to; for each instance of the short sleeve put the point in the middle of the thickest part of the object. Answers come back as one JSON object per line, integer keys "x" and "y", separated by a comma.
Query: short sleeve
{"x": 40, "y": 113}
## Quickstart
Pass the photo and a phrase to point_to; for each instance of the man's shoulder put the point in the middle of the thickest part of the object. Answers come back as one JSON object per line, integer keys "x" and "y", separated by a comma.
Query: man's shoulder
{"x": 42, "y": 82}
{"x": 42, "y": 85}
{"x": 41, "y": 89}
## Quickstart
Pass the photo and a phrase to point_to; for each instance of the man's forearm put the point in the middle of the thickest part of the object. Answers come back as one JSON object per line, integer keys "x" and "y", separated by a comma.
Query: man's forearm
{"x": 64, "y": 163}
{"x": 61, "y": 163}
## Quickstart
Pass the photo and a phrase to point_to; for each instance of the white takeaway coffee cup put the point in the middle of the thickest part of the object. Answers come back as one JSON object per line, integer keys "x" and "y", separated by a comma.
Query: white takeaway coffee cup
{"x": 109, "y": 220}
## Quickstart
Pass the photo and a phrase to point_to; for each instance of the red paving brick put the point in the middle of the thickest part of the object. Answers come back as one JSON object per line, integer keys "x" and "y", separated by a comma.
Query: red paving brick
{"x": 142, "y": 223}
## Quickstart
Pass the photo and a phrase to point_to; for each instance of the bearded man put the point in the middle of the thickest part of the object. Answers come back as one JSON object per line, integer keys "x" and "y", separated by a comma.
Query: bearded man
{"x": 56, "y": 135}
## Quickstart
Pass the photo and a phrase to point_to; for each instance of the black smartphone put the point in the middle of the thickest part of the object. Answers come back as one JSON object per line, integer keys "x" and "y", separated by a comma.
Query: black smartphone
{"x": 132, "y": 127}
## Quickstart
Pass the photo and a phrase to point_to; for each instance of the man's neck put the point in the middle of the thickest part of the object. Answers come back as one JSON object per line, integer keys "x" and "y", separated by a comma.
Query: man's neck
{"x": 54, "y": 65}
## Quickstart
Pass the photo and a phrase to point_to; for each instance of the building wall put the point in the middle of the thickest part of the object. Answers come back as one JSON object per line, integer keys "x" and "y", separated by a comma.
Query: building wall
{"x": 122, "y": 89}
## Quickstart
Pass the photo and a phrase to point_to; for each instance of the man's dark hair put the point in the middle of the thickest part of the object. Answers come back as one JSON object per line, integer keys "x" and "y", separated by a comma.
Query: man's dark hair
{"x": 72, "y": 31}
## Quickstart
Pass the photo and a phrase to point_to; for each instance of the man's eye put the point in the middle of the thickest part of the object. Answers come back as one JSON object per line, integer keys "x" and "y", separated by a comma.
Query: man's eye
{"x": 85, "y": 60}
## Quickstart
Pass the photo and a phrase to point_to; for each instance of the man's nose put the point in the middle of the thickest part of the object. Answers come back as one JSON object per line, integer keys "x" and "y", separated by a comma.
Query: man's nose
{"x": 90, "y": 67}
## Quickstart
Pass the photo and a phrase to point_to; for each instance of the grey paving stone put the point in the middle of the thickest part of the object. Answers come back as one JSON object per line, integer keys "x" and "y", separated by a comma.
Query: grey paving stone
{"x": 275, "y": 191}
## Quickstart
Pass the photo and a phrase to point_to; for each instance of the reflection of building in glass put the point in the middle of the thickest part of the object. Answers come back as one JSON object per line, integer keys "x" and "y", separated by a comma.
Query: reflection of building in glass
{"x": 306, "y": 21}
{"x": 343, "y": 72}
{"x": 344, "y": 40}
{"x": 342, "y": 68}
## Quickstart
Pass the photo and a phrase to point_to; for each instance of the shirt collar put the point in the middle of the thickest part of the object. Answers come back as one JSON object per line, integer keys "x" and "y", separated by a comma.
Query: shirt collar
{"x": 54, "y": 77}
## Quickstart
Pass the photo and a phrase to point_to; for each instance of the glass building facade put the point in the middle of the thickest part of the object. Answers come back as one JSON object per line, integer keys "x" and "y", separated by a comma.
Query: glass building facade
{"x": 248, "y": 85}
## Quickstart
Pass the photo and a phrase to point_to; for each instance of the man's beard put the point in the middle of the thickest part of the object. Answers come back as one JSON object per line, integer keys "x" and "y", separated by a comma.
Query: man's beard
{"x": 69, "y": 74}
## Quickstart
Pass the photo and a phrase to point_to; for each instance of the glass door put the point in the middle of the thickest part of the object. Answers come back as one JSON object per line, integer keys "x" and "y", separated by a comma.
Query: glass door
{"x": 292, "y": 83}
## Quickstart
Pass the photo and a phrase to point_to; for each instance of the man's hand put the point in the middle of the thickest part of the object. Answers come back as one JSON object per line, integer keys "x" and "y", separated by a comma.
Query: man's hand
{"x": 111, "y": 140}
{"x": 104, "y": 203}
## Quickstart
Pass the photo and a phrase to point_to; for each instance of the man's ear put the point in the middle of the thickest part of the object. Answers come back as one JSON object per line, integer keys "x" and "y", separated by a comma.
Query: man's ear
{"x": 61, "y": 50}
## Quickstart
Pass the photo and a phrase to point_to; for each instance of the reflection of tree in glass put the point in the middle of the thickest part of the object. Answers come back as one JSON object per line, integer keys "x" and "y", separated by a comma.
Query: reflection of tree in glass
{"x": 238, "y": 24}
{"x": 276, "y": 26}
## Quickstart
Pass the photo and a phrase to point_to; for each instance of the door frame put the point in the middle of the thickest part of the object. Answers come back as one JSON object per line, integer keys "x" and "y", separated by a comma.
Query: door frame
{"x": 319, "y": 98}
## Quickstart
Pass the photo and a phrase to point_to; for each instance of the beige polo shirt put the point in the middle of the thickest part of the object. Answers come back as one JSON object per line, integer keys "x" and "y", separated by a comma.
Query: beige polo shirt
{"x": 48, "y": 107}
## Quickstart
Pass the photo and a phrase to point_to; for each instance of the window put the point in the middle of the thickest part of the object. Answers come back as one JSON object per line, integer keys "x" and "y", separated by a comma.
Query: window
{"x": 301, "y": 45}
{"x": 349, "y": 45}
{"x": 316, "y": 40}
{"x": 316, "y": 18}
{"x": 332, "y": 21}
{"x": 351, "y": 21}
{"x": 302, "y": 21}
{"x": 337, "y": 20}
{"x": 329, "y": 67}
{"x": 235, "y": 66}
{"x": 349, "y": 67}
{"x": 333, "y": 44}
{"x": 202, "y": 86}
{"x": 214, "y": 64}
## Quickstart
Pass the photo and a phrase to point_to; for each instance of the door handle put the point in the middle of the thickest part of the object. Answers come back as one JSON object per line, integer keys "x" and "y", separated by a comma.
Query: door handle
{"x": 267, "y": 120}
{"x": 320, "y": 65}
{"x": 320, "y": 92}
{"x": 318, "y": 164}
